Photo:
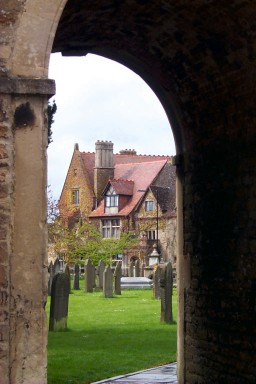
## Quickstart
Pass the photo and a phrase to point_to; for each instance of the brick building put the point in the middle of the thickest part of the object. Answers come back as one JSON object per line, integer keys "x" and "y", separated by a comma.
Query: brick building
{"x": 123, "y": 192}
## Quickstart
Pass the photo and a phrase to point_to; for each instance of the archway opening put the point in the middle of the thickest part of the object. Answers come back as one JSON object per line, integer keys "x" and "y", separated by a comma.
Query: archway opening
{"x": 99, "y": 99}
{"x": 103, "y": 100}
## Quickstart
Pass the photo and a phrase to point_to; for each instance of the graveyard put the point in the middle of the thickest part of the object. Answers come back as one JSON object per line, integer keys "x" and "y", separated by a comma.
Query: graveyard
{"x": 108, "y": 330}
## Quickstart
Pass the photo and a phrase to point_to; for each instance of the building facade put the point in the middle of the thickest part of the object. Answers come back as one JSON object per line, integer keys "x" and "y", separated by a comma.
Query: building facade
{"x": 123, "y": 192}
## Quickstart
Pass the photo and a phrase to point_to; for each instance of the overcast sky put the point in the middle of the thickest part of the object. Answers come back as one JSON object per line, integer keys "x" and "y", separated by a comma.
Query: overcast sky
{"x": 100, "y": 99}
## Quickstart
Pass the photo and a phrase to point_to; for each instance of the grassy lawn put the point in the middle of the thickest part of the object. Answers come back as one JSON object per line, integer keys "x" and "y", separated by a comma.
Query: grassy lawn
{"x": 110, "y": 337}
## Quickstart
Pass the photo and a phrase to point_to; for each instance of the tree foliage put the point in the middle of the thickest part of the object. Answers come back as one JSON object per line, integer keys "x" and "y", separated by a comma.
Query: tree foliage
{"x": 84, "y": 240}
{"x": 51, "y": 110}
{"x": 96, "y": 248}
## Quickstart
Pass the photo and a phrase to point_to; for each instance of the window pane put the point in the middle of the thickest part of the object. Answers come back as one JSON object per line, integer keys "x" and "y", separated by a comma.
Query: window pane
{"x": 75, "y": 196}
{"x": 151, "y": 234}
{"x": 110, "y": 228}
{"x": 149, "y": 206}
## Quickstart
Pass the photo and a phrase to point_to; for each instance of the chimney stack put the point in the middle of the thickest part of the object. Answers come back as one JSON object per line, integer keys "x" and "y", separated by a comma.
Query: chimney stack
{"x": 104, "y": 166}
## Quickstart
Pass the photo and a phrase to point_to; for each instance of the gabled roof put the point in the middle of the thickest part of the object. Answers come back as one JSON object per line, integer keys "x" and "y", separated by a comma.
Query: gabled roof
{"x": 165, "y": 197}
{"x": 142, "y": 174}
{"x": 122, "y": 187}
{"x": 89, "y": 162}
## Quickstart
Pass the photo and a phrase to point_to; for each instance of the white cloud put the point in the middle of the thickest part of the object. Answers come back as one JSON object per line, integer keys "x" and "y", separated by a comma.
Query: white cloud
{"x": 99, "y": 99}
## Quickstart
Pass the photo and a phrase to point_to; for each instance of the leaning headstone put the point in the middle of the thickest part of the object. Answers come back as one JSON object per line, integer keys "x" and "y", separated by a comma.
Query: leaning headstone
{"x": 76, "y": 277}
{"x": 59, "y": 302}
{"x": 101, "y": 269}
{"x": 156, "y": 282}
{"x": 137, "y": 269}
{"x": 166, "y": 284}
{"x": 108, "y": 282}
{"x": 131, "y": 269}
{"x": 51, "y": 275}
{"x": 57, "y": 266}
{"x": 117, "y": 278}
{"x": 89, "y": 276}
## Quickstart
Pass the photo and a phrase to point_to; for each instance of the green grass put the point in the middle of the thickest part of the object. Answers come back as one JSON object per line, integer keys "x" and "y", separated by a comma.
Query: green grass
{"x": 110, "y": 337}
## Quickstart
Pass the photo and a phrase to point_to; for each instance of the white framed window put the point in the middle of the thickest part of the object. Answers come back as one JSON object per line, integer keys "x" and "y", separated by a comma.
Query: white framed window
{"x": 111, "y": 198}
{"x": 151, "y": 234}
{"x": 111, "y": 201}
{"x": 75, "y": 196}
{"x": 110, "y": 228}
{"x": 149, "y": 205}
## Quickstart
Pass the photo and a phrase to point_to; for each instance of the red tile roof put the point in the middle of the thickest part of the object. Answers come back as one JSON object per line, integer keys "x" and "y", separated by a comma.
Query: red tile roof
{"x": 89, "y": 161}
{"x": 142, "y": 174}
{"x": 122, "y": 187}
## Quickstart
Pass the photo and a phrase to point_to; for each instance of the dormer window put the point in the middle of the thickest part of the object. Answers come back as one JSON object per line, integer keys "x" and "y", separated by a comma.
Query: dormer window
{"x": 111, "y": 201}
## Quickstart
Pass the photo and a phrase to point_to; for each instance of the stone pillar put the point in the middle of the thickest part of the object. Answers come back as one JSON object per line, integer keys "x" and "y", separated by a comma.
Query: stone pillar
{"x": 6, "y": 232}
{"x": 23, "y": 143}
{"x": 183, "y": 270}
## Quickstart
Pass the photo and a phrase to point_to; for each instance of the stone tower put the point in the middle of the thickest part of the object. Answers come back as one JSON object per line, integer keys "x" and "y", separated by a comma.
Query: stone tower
{"x": 104, "y": 166}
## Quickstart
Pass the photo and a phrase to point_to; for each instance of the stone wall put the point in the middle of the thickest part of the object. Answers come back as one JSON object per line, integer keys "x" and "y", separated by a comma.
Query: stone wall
{"x": 6, "y": 223}
{"x": 75, "y": 179}
{"x": 200, "y": 61}
{"x": 220, "y": 303}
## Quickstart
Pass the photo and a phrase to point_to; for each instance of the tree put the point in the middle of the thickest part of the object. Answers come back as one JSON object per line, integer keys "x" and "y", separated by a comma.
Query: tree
{"x": 56, "y": 227}
{"x": 51, "y": 110}
{"x": 96, "y": 248}
{"x": 84, "y": 240}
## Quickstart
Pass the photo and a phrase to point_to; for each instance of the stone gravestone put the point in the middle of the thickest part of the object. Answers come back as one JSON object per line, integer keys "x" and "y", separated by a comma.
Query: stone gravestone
{"x": 117, "y": 278}
{"x": 67, "y": 271}
{"x": 142, "y": 269}
{"x": 59, "y": 302}
{"x": 125, "y": 265}
{"x": 101, "y": 269}
{"x": 57, "y": 266}
{"x": 137, "y": 268}
{"x": 156, "y": 282}
{"x": 131, "y": 269}
{"x": 51, "y": 275}
{"x": 89, "y": 276}
{"x": 108, "y": 282}
{"x": 166, "y": 284}
{"x": 76, "y": 277}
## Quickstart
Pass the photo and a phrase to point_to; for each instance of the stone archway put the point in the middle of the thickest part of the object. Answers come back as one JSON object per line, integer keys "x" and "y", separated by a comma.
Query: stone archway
{"x": 199, "y": 59}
